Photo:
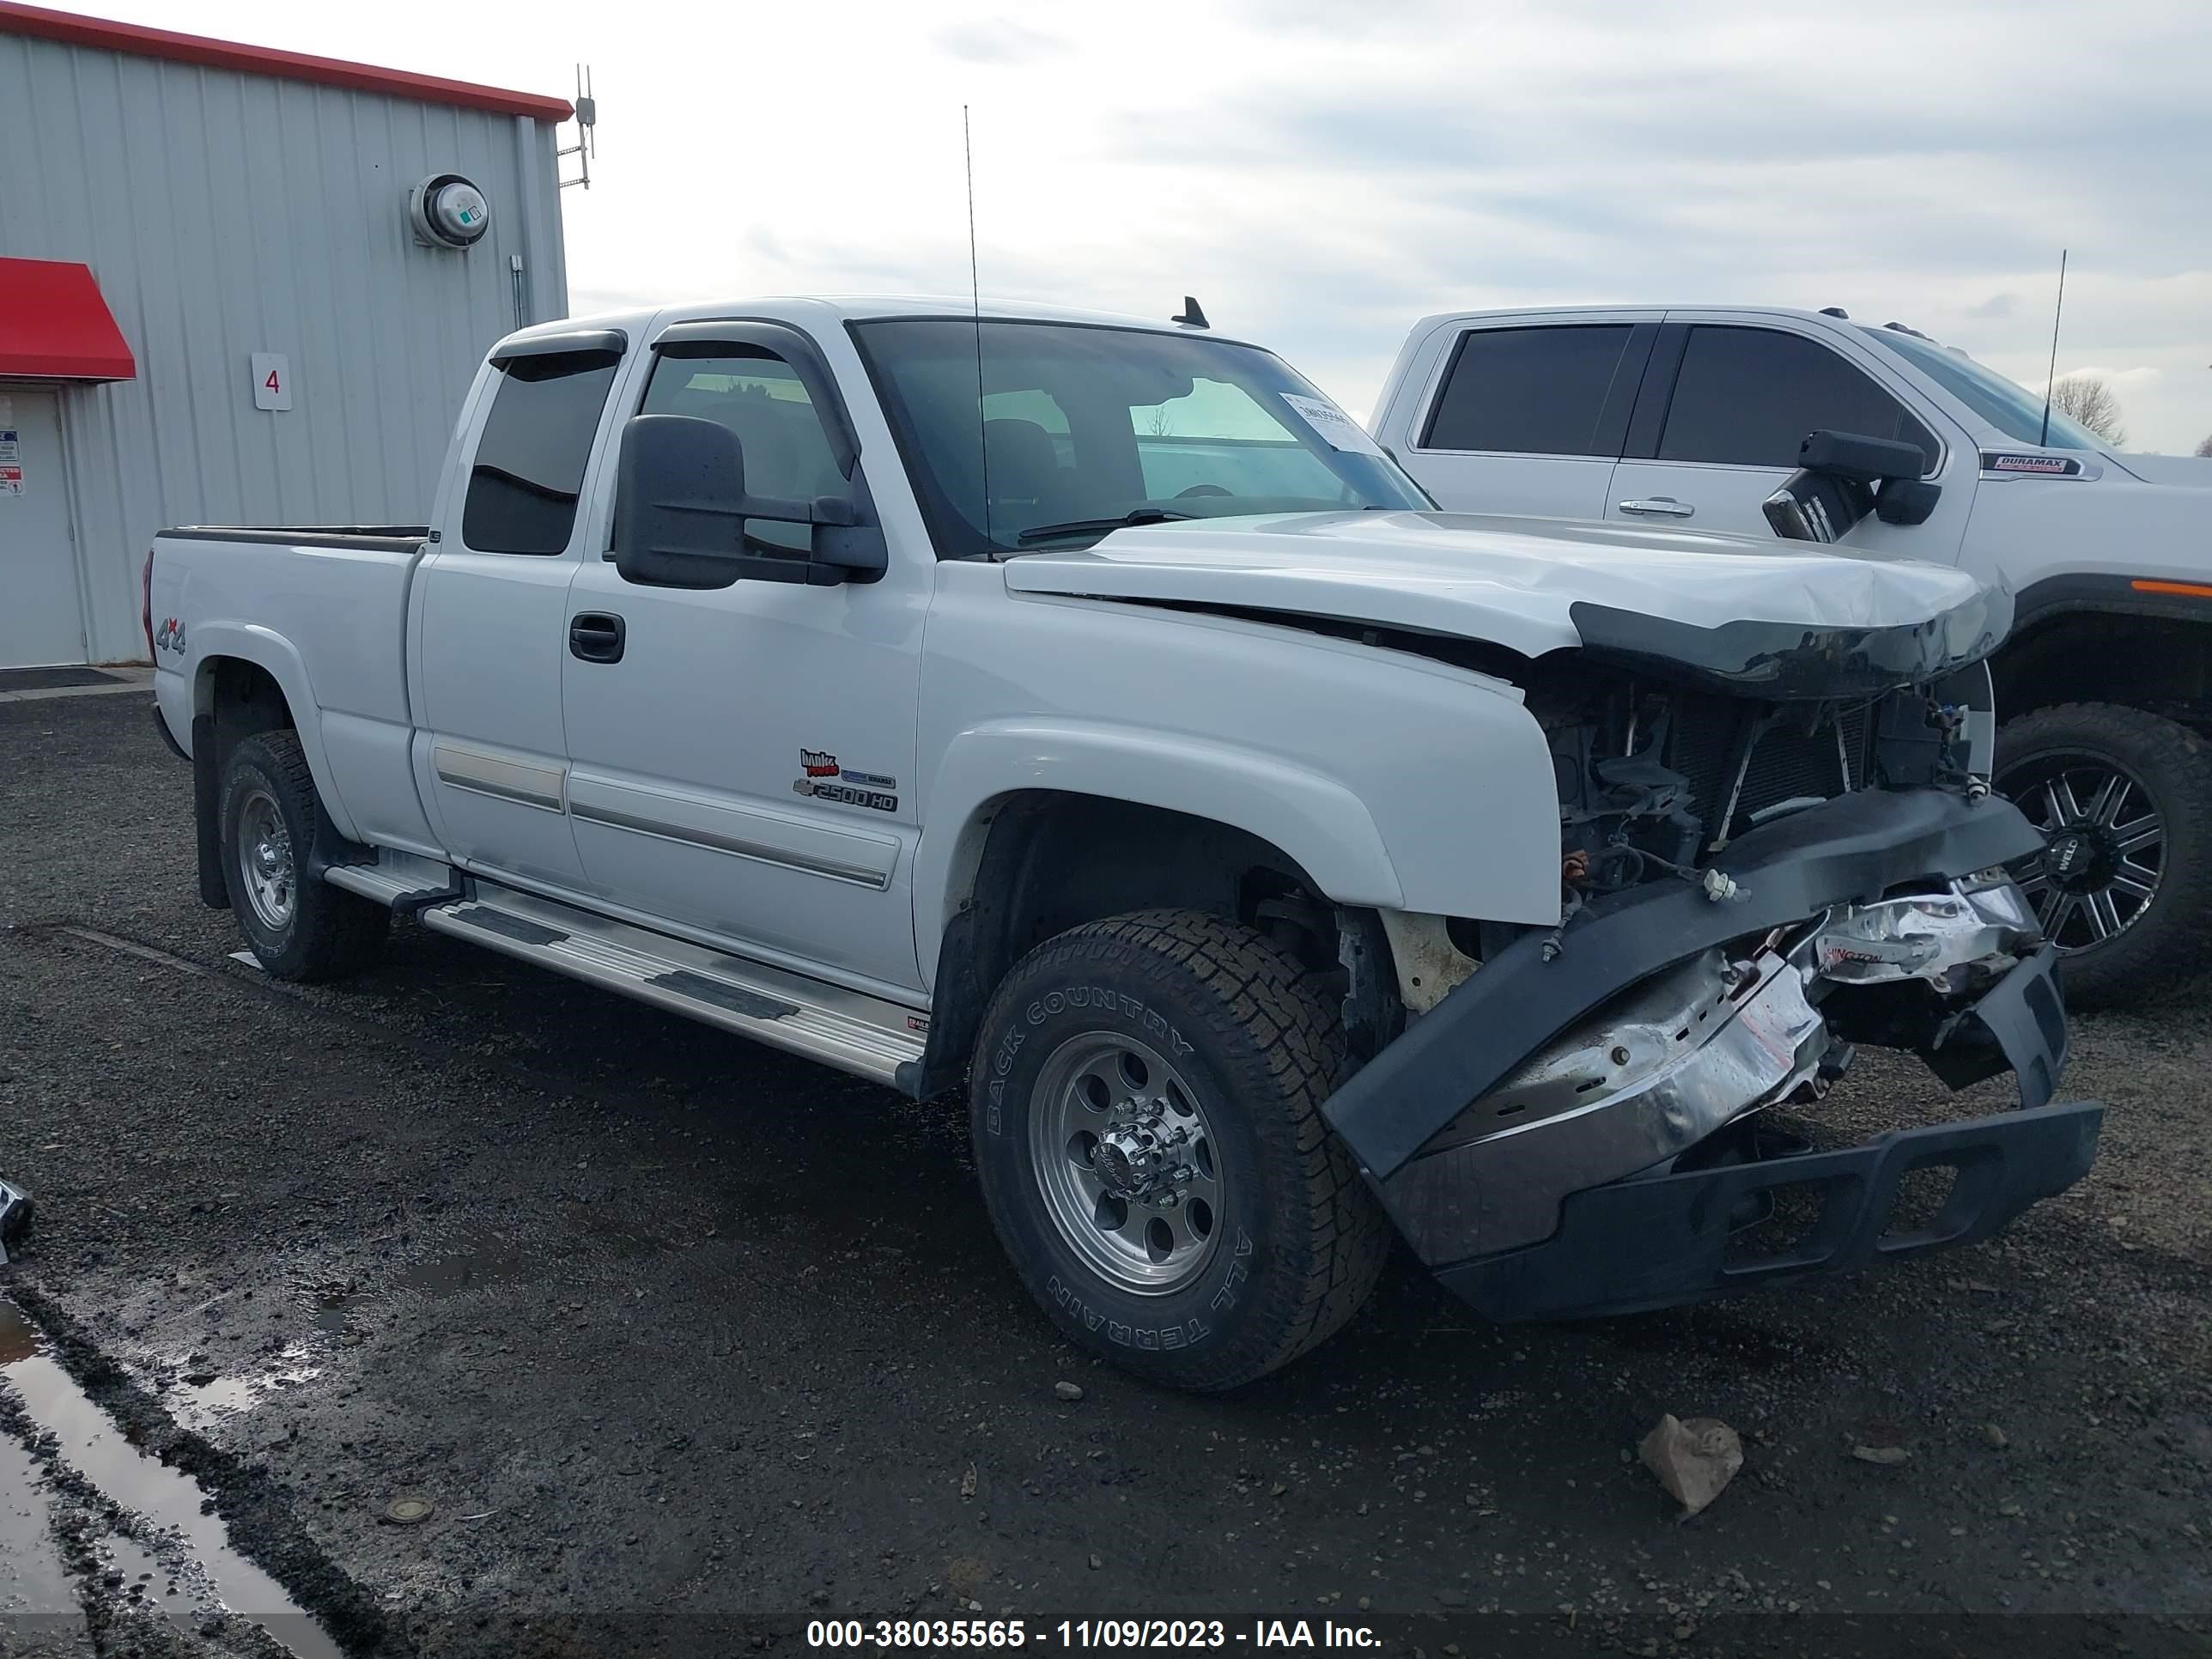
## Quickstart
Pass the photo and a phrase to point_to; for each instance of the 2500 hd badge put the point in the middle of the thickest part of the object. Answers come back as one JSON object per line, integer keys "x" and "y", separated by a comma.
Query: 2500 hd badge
{"x": 824, "y": 779}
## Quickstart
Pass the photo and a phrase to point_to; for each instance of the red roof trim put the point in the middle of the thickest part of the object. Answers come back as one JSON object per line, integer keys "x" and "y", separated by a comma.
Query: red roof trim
{"x": 54, "y": 326}
{"x": 140, "y": 41}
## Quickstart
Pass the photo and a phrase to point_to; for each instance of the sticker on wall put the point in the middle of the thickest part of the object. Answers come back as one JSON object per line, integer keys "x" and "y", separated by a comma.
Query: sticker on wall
{"x": 11, "y": 480}
{"x": 11, "y": 447}
{"x": 272, "y": 380}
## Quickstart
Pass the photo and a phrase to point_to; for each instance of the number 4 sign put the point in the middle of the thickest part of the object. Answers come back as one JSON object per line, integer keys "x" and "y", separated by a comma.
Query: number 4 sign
{"x": 272, "y": 380}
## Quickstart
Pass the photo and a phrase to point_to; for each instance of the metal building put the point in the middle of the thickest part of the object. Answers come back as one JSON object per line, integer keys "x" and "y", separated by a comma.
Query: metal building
{"x": 236, "y": 286}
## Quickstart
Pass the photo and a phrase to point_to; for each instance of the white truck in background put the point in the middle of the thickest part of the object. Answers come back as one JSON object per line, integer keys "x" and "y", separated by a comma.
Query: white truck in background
{"x": 1671, "y": 415}
{"x": 1085, "y": 712}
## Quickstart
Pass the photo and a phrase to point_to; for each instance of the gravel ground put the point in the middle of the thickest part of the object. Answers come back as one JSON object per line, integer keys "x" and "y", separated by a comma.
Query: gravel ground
{"x": 682, "y": 1339}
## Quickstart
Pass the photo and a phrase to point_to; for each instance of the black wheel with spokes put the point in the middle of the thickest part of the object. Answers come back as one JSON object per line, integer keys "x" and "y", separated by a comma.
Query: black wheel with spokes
{"x": 2099, "y": 871}
{"x": 2124, "y": 885}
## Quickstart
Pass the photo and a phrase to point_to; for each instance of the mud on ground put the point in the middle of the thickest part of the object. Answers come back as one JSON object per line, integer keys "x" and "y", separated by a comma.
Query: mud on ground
{"x": 676, "y": 1334}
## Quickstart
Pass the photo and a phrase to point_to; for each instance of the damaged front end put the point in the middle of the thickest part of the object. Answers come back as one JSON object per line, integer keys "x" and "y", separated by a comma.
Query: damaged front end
{"x": 1758, "y": 879}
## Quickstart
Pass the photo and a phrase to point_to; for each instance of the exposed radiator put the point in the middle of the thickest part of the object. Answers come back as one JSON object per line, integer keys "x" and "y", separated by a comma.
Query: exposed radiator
{"x": 1786, "y": 760}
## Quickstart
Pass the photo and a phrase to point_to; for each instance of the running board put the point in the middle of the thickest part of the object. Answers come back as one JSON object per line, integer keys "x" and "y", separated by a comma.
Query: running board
{"x": 404, "y": 881}
{"x": 848, "y": 1029}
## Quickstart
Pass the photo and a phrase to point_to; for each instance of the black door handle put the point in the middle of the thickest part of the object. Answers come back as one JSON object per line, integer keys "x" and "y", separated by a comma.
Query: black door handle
{"x": 596, "y": 636}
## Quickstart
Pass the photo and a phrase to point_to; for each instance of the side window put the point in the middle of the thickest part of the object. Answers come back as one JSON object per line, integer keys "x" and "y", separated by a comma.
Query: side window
{"x": 529, "y": 464}
{"x": 760, "y": 398}
{"x": 1749, "y": 395}
{"x": 1538, "y": 391}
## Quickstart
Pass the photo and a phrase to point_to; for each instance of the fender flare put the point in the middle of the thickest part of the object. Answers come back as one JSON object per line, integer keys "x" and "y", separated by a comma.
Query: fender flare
{"x": 1315, "y": 820}
{"x": 2103, "y": 592}
{"x": 280, "y": 659}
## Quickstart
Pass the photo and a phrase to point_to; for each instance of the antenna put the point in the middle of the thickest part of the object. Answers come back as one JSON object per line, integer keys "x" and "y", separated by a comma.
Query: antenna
{"x": 586, "y": 146}
{"x": 976, "y": 305}
{"x": 2050, "y": 380}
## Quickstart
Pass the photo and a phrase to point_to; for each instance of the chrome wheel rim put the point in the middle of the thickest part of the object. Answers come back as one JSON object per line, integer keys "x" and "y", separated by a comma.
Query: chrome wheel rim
{"x": 2104, "y": 847}
{"x": 264, "y": 861}
{"x": 1125, "y": 1157}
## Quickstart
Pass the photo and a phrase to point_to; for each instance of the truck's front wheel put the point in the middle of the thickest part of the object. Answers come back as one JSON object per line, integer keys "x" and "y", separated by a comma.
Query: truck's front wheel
{"x": 2124, "y": 884}
{"x": 1147, "y": 1124}
{"x": 299, "y": 926}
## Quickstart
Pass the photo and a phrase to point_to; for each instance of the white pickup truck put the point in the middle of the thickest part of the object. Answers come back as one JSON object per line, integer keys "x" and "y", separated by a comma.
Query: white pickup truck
{"x": 1086, "y": 710}
{"x": 1693, "y": 415}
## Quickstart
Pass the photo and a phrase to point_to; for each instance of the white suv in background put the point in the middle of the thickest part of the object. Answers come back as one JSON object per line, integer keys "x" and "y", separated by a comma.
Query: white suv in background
{"x": 1668, "y": 416}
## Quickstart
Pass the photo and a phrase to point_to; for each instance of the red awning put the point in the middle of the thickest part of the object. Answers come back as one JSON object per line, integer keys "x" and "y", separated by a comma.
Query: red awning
{"x": 54, "y": 326}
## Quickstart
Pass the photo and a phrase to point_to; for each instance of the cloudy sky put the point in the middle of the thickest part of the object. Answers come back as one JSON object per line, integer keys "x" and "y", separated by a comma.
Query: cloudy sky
{"x": 1320, "y": 173}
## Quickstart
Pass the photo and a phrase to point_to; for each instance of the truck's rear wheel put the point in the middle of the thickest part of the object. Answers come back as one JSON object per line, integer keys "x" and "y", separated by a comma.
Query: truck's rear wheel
{"x": 2124, "y": 885}
{"x": 299, "y": 925}
{"x": 1147, "y": 1124}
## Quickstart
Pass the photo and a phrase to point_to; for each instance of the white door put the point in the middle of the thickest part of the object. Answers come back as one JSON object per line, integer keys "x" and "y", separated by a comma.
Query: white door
{"x": 42, "y": 619}
{"x": 1527, "y": 418}
{"x": 741, "y": 759}
{"x": 492, "y": 604}
{"x": 1744, "y": 397}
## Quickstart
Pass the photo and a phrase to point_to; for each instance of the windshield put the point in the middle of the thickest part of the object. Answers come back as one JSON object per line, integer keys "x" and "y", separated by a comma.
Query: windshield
{"x": 2011, "y": 408}
{"x": 1080, "y": 429}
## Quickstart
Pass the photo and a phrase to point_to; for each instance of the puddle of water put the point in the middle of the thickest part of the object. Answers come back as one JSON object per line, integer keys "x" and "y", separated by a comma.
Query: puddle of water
{"x": 201, "y": 1404}
{"x": 32, "y": 1581}
{"x": 91, "y": 1445}
{"x": 18, "y": 1337}
{"x": 185, "y": 1598}
{"x": 147, "y": 1584}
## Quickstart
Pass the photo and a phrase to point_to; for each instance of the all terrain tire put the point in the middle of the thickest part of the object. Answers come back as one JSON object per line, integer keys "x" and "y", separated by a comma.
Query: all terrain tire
{"x": 1146, "y": 1116}
{"x": 298, "y": 925}
{"x": 2124, "y": 885}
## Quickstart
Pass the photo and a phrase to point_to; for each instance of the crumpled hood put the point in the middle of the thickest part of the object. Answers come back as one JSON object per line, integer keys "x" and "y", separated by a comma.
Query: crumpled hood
{"x": 1519, "y": 582}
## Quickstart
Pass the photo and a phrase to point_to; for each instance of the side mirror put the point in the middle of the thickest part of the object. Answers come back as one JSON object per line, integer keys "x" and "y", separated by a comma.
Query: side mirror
{"x": 1841, "y": 477}
{"x": 1861, "y": 461}
{"x": 681, "y": 507}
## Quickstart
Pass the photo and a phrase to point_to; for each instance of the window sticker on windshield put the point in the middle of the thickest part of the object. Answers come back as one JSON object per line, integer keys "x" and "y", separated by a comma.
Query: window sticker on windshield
{"x": 1337, "y": 430}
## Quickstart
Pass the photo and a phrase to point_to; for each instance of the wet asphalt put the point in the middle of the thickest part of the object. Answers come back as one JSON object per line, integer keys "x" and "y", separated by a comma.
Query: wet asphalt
{"x": 680, "y": 1341}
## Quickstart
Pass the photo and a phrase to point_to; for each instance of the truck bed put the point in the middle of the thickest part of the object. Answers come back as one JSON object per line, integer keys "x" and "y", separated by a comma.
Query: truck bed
{"x": 322, "y": 609}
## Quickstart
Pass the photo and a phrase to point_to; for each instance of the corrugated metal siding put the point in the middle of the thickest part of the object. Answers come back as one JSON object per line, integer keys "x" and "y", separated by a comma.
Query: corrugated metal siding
{"x": 226, "y": 213}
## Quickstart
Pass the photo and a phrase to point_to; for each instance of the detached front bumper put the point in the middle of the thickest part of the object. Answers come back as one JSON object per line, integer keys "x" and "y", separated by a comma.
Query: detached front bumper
{"x": 1668, "y": 1239}
{"x": 1636, "y": 1245}
{"x": 1573, "y": 1133}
